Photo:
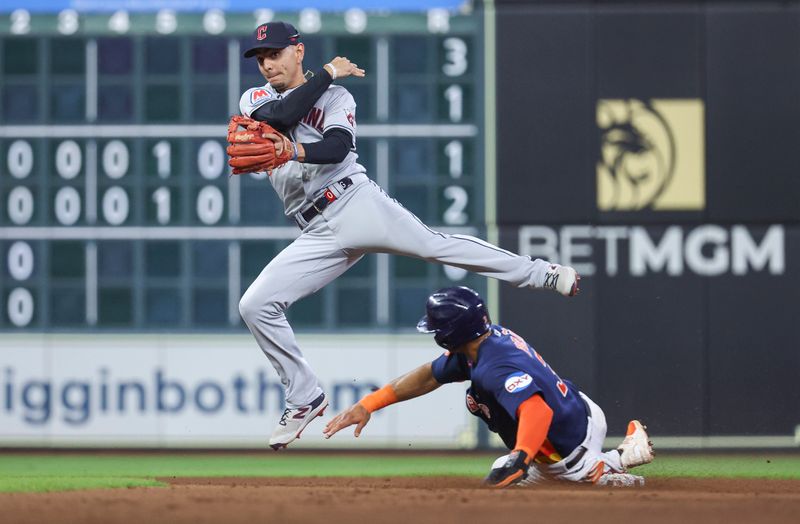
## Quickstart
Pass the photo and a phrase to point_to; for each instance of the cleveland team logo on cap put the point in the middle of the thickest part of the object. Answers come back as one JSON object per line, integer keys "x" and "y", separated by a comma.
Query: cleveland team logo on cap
{"x": 273, "y": 35}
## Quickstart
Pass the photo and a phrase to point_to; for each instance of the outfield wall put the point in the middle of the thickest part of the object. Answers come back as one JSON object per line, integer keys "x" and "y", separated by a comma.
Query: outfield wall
{"x": 660, "y": 159}
{"x": 218, "y": 391}
{"x": 207, "y": 391}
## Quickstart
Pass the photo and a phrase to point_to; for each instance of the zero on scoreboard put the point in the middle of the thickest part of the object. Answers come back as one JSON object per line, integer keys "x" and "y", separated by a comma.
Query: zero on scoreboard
{"x": 117, "y": 210}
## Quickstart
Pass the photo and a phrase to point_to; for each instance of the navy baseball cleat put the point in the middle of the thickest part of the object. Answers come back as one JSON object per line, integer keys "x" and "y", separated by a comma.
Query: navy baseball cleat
{"x": 563, "y": 279}
{"x": 294, "y": 421}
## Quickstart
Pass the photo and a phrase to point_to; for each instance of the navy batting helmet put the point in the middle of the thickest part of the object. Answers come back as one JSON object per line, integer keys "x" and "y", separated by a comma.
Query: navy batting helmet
{"x": 456, "y": 315}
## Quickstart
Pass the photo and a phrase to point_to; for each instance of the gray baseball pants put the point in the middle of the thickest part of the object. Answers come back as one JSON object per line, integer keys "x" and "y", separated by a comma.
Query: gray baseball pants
{"x": 364, "y": 219}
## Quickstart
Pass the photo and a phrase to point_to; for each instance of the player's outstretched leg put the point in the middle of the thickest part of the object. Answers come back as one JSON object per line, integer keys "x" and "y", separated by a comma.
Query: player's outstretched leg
{"x": 374, "y": 222}
{"x": 636, "y": 449}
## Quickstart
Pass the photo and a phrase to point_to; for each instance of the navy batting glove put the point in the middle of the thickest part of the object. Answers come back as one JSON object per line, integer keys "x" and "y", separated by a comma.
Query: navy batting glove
{"x": 512, "y": 471}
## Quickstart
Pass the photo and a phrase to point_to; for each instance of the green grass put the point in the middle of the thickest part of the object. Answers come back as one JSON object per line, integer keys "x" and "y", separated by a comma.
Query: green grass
{"x": 59, "y": 472}
{"x": 66, "y": 483}
{"x": 70, "y": 471}
{"x": 776, "y": 466}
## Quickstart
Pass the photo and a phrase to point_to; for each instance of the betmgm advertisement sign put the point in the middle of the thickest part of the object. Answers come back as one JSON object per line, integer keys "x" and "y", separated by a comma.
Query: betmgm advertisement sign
{"x": 651, "y": 159}
{"x": 704, "y": 250}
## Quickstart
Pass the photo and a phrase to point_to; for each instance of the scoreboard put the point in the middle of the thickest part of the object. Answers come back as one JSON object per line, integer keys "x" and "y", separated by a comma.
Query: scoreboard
{"x": 117, "y": 211}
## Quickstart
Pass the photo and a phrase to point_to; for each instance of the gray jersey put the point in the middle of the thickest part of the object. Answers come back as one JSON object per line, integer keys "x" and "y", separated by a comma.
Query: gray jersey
{"x": 296, "y": 183}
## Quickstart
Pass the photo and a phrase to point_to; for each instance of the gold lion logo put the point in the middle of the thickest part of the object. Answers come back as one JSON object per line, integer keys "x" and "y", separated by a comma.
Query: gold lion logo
{"x": 651, "y": 155}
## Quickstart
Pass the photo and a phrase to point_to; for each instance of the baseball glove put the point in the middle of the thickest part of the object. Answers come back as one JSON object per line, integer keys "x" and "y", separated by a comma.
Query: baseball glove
{"x": 256, "y": 146}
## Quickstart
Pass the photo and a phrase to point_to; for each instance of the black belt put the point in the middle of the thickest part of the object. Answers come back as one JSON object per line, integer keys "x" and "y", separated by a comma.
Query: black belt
{"x": 574, "y": 460}
{"x": 325, "y": 200}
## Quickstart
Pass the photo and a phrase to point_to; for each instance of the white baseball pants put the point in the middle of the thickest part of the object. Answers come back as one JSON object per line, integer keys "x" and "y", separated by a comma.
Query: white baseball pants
{"x": 592, "y": 464}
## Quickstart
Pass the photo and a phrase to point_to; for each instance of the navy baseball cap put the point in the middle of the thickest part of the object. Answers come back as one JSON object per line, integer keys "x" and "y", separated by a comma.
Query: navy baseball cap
{"x": 272, "y": 35}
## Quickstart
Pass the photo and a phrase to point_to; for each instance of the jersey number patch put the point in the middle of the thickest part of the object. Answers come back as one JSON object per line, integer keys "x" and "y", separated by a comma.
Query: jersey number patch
{"x": 520, "y": 344}
{"x": 560, "y": 384}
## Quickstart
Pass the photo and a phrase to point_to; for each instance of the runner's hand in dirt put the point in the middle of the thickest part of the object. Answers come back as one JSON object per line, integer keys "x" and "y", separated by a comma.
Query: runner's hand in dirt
{"x": 355, "y": 414}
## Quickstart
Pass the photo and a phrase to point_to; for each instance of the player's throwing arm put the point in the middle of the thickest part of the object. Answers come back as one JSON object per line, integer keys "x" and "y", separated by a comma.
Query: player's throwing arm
{"x": 341, "y": 67}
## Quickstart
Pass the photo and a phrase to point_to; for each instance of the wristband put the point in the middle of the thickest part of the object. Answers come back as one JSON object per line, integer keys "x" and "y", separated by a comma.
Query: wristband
{"x": 379, "y": 399}
{"x": 294, "y": 147}
{"x": 332, "y": 71}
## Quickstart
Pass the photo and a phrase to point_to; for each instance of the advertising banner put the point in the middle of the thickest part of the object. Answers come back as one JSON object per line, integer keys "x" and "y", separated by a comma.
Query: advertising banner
{"x": 657, "y": 162}
{"x": 210, "y": 390}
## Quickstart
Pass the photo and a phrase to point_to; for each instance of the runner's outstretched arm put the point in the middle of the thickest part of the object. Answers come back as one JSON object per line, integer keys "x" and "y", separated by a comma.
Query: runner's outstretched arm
{"x": 413, "y": 384}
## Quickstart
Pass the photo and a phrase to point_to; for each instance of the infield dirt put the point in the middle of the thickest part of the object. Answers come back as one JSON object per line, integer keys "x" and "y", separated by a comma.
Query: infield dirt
{"x": 410, "y": 500}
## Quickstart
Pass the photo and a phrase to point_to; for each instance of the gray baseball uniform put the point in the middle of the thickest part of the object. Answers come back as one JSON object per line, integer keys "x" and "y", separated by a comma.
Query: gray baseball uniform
{"x": 360, "y": 218}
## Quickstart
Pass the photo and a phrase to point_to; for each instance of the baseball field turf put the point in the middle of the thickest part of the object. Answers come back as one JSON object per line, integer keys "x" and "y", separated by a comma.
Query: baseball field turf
{"x": 397, "y": 487}
{"x": 34, "y": 472}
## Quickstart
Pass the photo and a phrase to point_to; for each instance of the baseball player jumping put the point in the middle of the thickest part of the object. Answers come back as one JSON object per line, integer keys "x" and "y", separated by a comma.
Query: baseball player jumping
{"x": 554, "y": 430}
{"x": 302, "y": 131}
